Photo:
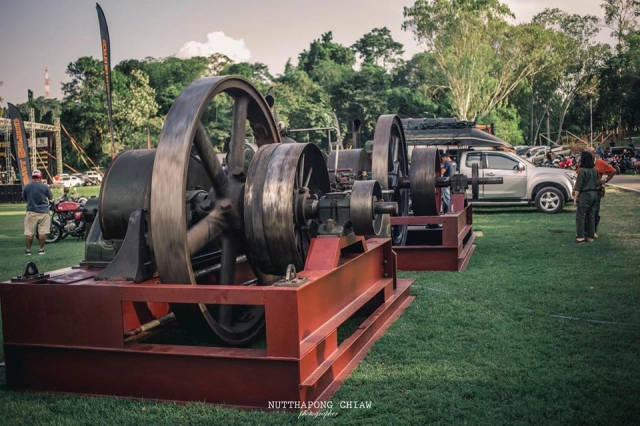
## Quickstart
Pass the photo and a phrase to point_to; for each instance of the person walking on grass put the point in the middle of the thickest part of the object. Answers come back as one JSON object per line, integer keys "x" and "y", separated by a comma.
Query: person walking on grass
{"x": 603, "y": 168}
{"x": 585, "y": 195}
{"x": 37, "y": 221}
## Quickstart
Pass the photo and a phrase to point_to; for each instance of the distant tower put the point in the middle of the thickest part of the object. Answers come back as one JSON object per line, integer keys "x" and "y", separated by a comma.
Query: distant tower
{"x": 47, "y": 83}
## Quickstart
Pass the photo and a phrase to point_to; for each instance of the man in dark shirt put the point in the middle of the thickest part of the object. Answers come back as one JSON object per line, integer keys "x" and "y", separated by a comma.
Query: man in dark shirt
{"x": 448, "y": 170}
{"x": 37, "y": 221}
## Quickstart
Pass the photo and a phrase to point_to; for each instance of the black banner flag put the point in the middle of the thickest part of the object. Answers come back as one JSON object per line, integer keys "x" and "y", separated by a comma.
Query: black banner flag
{"x": 106, "y": 64}
{"x": 20, "y": 145}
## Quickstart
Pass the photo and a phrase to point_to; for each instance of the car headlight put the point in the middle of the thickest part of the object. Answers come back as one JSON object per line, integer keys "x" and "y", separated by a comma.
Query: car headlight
{"x": 571, "y": 175}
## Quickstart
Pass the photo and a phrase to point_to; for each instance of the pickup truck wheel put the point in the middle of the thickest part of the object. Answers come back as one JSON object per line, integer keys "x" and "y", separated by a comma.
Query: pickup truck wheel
{"x": 549, "y": 200}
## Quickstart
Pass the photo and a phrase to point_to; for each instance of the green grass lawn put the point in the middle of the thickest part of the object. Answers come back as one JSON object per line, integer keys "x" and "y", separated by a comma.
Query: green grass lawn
{"x": 537, "y": 330}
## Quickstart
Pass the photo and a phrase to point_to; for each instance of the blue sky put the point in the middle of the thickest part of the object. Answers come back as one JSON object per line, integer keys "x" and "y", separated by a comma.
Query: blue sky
{"x": 53, "y": 33}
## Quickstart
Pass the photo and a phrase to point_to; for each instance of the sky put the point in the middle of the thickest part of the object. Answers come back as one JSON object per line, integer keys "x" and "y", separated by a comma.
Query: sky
{"x": 54, "y": 33}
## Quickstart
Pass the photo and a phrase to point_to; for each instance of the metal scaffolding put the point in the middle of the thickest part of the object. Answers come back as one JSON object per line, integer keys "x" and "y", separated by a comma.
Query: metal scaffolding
{"x": 32, "y": 127}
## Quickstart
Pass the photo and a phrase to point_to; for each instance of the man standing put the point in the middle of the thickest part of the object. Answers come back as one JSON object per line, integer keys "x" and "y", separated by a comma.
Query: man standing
{"x": 448, "y": 170}
{"x": 603, "y": 168}
{"x": 37, "y": 220}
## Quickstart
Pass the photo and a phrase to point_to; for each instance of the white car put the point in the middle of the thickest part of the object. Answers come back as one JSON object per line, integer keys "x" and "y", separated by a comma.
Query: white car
{"x": 71, "y": 181}
{"x": 93, "y": 175}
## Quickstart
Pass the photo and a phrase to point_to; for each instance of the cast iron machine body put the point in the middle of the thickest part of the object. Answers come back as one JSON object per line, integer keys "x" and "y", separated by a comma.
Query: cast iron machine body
{"x": 423, "y": 238}
{"x": 260, "y": 249}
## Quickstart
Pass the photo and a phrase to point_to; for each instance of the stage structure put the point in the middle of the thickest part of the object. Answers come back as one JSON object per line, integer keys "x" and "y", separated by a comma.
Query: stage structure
{"x": 32, "y": 129}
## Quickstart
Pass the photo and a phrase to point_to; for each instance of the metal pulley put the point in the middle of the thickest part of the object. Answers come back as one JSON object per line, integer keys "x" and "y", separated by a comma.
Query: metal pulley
{"x": 368, "y": 207}
{"x": 288, "y": 201}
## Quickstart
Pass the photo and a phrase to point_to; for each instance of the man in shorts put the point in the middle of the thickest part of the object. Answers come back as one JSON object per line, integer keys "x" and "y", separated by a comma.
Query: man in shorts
{"x": 37, "y": 221}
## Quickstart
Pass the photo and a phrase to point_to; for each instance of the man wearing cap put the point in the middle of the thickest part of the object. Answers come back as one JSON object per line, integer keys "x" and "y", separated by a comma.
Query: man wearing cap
{"x": 37, "y": 221}
{"x": 448, "y": 170}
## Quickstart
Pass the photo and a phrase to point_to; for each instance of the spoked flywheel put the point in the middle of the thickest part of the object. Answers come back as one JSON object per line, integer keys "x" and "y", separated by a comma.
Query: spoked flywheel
{"x": 390, "y": 166}
{"x": 186, "y": 249}
{"x": 284, "y": 184}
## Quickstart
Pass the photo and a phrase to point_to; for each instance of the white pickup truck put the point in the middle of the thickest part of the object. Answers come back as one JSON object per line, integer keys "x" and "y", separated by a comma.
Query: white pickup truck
{"x": 547, "y": 188}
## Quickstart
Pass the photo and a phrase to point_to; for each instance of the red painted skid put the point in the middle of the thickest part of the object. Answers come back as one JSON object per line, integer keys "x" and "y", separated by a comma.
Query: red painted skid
{"x": 74, "y": 342}
{"x": 453, "y": 254}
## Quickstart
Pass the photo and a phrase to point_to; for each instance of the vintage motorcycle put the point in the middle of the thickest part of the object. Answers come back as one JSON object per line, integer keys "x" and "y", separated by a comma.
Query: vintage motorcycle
{"x": 66, "y": 219}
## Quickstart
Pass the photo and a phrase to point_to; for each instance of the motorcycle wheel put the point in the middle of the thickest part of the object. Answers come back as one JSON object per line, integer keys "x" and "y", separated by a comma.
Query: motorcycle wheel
{"x": 55, "y": 233}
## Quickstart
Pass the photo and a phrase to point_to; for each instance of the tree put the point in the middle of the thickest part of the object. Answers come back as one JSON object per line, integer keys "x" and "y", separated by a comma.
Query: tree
{"x": 578, "y": 59}
{"x": 171, "y": 75}
{"x": 324, "y": 49}
{"x": 84, "y": 110}
{"x": 481, "y": 59}
{"x": 619, "y": 89}
{"x": 135, "y": 111}
{"x": 377, "y": 47}
{"x": 1, "y": 98}
{"x": 620, "y": 16}
{"x": 301, "y": 102}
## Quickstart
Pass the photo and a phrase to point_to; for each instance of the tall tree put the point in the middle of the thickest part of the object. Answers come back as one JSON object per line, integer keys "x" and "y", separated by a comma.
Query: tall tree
{"x": 377, "y": 47}
{"x": 83, "y": 108}
{"x": 578, "y": 59}
{"x": 325, "y": 49}
{"x": 621, "y": 16}
{"x": 135, "y": 110}
{"x": 302, "y": 102}
{"x": 170, "y": 75}
{"x": 481, "y": 58}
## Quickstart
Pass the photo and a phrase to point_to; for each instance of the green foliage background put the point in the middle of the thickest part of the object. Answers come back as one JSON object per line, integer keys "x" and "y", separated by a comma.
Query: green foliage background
{"x": 528, "y": 79}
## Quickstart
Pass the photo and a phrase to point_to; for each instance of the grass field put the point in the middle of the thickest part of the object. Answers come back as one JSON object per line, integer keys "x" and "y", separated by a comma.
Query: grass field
{"x": 537, "y": 330}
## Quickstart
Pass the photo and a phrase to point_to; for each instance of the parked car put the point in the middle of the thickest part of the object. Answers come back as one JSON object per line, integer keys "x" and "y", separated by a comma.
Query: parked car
{"x": 538, "y": 154}
{"x": 524, "y": 183}
{"x": 521, "y": 149}
{"x": 71, "y": 181}
{"x": 92, "y": 174}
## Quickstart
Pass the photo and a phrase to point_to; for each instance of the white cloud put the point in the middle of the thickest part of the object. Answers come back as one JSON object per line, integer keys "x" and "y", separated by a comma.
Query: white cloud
{"x": 216, "y": 42}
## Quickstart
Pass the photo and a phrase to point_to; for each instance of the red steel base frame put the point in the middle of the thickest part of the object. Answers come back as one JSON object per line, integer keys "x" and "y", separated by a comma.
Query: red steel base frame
{"x": 455, "y": 245}
{"x": 66, "y": 335}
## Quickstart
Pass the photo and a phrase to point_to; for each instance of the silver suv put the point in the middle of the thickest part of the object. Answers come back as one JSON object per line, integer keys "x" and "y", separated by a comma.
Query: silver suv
{"x": 523, "y": 183}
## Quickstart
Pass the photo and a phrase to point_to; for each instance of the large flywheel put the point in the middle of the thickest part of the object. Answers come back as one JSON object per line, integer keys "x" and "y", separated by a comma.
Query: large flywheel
{"x": 186, "y": 249}
{"x": 390, "y": 167}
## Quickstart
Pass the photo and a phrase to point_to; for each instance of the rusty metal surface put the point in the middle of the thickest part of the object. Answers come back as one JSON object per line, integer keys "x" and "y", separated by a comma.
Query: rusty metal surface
{"x": 281, "y": 178}
{"x": 354, "y": 160}
{"x": 168, "y": 221}
{"x": 389, "y": 166}
{"x": 364, "y": 218}
{"x": 173, "y": 243}
{"x": 126, "y": 187}
{"x": 425, "y": 168}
